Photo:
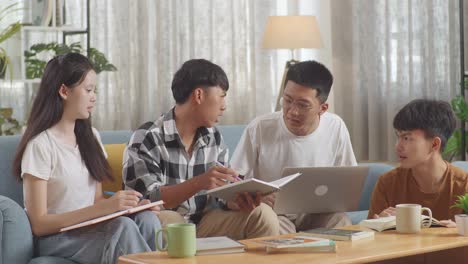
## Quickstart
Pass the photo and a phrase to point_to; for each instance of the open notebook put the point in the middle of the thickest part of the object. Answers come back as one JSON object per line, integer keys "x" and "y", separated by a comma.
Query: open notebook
{"x": 389, "y": 222}
{"x": 113, "y": 215}
{"x": 229, "y": 191}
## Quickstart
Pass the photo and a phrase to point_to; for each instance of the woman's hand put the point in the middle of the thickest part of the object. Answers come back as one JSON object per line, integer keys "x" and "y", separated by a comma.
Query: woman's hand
{"x": 122, "y": 200}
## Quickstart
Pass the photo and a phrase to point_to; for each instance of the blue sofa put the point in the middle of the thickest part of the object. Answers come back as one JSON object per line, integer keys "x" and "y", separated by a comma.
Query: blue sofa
{"x": 16, "y": 238}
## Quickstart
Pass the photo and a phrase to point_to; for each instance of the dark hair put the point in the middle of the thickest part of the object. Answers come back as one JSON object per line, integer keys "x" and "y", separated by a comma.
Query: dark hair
{"x": 68, "y": 69}
{"x": 312, "y": 74}
{"x": 434, "y": 117}
{"x": 197, "y": 73}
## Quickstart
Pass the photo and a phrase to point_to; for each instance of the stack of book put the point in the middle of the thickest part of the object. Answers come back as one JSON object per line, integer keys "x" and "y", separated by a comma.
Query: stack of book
{"x": 379, "y": 224}
{"x": 218, "y": 245}
{"x": 338, "y": 234}
{"x": 297, "y": 244}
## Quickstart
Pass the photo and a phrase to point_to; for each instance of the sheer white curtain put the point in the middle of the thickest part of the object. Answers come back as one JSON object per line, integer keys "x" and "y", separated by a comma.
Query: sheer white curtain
{"x": 386, "y": 53}
{"x": 149, "y": 40}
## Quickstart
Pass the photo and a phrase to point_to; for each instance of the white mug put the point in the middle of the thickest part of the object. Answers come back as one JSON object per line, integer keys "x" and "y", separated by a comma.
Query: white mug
{"x": 408, "y": 218}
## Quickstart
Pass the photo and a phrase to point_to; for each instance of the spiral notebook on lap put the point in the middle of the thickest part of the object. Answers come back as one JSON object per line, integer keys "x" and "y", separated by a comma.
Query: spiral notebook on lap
{"x": 113, "y": 215}
{"x": 322, "y": 190}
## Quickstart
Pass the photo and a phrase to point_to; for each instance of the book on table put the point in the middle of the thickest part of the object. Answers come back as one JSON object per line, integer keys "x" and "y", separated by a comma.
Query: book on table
{"x": 113, "y": 215}
{"x": 218, "y": 245}
{"x": 297, "y": 244}
{"x": 252, "y": 186}
{"x": 389, "y": 222}
{"x": 338, "y": 234}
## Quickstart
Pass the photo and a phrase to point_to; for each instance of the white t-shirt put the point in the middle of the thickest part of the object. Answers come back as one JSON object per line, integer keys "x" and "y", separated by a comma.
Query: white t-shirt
{"x": 69, "y": 185}
{"x": 267, "y": 146}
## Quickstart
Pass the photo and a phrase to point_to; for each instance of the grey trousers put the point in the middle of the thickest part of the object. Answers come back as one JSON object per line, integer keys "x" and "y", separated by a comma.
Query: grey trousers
{"x": 292, "y": 223}
{"x": 103, "y": 242}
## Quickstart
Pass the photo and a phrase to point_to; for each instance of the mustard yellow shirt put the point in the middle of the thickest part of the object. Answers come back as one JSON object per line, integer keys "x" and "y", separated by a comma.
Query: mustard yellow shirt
{"x": 399, "y": 186}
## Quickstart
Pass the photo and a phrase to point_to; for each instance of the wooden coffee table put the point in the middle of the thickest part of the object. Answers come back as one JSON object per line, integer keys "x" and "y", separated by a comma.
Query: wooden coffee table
{"x": 434, "y": 245}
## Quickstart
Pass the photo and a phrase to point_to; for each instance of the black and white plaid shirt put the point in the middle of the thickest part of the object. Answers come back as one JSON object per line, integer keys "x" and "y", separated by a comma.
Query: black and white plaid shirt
{"x": 155, "y": 157}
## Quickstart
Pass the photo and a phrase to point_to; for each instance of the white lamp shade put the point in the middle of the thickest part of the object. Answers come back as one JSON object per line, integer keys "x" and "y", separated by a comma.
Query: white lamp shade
{"x": 291, "y": 32}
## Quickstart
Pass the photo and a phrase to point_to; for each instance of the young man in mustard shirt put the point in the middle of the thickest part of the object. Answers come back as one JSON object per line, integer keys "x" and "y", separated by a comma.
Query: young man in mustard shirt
{"x": 423, "y": 177}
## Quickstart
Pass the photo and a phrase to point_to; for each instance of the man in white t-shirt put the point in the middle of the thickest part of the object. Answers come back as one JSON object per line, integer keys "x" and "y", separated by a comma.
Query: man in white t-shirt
{"x": 304, "y": 134}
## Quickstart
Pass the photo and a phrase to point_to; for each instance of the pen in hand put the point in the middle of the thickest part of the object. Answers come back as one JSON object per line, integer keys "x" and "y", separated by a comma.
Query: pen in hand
{"x": 221, "y": 165}
{"x": 112, "y": 193}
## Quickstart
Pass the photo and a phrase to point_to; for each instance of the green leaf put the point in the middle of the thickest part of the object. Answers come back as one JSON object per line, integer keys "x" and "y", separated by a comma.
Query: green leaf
{"x": 9, "y": 31}
{"x": 99, "y": 61}
{"x": 35, "y": 66}
{"x": 8, "y": 125}
{"x": 460, "y": 108}
{"x": 461, "y": 202}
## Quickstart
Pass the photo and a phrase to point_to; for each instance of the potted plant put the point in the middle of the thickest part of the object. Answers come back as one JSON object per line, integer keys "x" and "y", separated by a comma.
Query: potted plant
{"x": 35, "y": 66}
{"x": 8, "y": 125}
{"x": 462, "y": 219}
{"x": 6, "y": 33}
{"x": 453, "y": 148}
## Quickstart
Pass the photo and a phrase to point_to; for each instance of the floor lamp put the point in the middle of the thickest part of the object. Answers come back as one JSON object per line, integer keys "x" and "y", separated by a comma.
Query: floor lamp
{"x": 291, "y": 32}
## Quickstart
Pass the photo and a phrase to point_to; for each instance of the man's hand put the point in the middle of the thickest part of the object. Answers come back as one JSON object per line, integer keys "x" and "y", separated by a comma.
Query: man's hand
{"x": 245, "y": 202}
{"x": 216, "y": 176}
{"x": 155, "y": 209}
{"x": 448, "y": 223}
{"x": 269, "y": 199}
{"x": 390, "y": 211}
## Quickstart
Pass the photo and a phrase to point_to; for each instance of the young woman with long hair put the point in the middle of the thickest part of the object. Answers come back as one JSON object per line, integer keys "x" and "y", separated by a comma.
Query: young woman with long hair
{"x": 62, "y": 163}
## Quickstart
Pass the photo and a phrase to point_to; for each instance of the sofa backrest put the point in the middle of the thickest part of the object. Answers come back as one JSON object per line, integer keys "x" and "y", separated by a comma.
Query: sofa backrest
{"x": 231, "y": 135}
{"x": 9, "y": 186}
{"x": 14, "y": 190}
{"x": 375, "y": 171}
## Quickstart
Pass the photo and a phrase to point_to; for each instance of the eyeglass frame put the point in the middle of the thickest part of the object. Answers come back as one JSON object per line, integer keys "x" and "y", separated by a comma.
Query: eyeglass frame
{"x": 301, "y": 108}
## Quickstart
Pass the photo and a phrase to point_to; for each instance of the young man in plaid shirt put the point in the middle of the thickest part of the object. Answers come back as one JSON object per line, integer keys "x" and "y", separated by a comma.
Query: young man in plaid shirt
{"x": 174, "y": 158}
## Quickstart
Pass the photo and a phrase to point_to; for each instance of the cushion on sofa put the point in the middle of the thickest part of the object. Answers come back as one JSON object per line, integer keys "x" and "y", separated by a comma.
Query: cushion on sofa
{"x": 115, "y": 158}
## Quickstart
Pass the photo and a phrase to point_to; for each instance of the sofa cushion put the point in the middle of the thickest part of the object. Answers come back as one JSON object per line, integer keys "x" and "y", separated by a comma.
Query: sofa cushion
{"x": 15, "y": 233}
{"x": 114, "y": 157}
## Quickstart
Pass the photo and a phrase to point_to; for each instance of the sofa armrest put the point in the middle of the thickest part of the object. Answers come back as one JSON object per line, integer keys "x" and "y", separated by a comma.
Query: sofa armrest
{"x": 51, "y": 260}
{"x": 15, "y": 233}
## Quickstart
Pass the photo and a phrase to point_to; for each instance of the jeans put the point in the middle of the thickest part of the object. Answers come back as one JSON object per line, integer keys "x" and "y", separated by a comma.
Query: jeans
{"x": 103, "y": 242}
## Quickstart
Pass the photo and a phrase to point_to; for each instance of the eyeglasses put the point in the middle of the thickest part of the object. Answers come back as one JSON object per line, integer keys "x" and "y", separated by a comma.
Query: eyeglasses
{"x": 301, "y": 107}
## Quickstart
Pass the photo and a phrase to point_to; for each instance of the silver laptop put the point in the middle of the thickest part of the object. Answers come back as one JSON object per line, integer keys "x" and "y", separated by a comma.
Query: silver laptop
{"x": 321, "y": 190}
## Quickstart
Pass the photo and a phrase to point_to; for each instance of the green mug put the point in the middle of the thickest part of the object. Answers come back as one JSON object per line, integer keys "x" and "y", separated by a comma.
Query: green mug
{"x": 181, "y": 240}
